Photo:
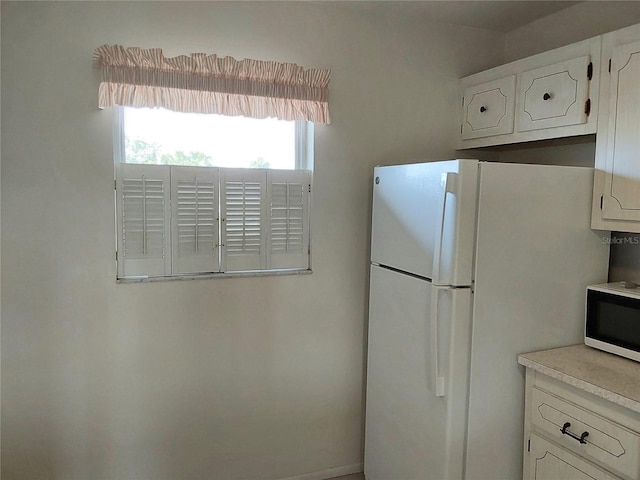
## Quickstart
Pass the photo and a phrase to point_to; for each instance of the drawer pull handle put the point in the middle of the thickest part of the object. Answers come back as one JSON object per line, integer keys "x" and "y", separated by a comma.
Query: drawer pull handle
{"x": 580, "y": 438}
{"x": 546, "y": 96}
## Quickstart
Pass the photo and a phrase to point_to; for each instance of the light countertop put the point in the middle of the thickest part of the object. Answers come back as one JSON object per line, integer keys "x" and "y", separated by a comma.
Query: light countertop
{"x": 603, "y": 374}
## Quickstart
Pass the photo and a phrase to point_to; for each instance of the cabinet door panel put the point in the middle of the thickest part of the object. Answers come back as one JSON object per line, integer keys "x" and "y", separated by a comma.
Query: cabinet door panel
{"x": 488, "y": 108}
{"x": 553, "y": 96}
{"x": 622, "y": 186}
{"x": 550, "y": 462}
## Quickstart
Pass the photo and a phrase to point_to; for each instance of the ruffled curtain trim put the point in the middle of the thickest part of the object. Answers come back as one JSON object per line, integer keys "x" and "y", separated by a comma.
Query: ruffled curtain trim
{"x": 209, "y": 84}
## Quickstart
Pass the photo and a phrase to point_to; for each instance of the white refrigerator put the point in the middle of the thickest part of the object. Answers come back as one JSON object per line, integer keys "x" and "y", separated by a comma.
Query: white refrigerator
{"x": 472, "y": 263}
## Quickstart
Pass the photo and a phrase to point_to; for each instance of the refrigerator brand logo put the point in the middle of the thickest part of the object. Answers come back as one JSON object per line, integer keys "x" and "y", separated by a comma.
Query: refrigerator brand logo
{"x": 626, "y": 240}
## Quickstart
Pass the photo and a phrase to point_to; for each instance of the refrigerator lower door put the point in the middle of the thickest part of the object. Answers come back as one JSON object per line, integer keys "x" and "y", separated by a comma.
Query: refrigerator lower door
{"x": 413, "y": 432}
{"x": 423, "y": 219}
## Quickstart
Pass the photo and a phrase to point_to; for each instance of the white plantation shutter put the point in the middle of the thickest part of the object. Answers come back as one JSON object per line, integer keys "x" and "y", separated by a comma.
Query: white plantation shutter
{"x": 143, "y": 217}
{"x": 194, "y": 221}
{"x": 243, "y": 212}
{"x": 288, "y": 240}
{"x": 176, "y": 220}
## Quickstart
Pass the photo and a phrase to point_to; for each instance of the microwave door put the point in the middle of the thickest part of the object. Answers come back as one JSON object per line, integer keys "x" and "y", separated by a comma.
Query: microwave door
{"x": 613, "y": 322}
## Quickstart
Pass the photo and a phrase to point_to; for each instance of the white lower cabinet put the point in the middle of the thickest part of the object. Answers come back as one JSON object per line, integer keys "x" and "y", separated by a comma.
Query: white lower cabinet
{"x": 571, "y": 434}
{"x": 551, "y": 462}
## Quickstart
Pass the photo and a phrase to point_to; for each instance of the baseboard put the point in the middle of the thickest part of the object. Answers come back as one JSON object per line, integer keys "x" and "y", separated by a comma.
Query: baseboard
{"x": 329, "y": 473}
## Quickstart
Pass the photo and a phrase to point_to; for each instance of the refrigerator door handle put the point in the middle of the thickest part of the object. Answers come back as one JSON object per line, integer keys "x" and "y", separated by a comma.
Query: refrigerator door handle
{"x": 438, "y": 381}
{"x": 449, "y": 183}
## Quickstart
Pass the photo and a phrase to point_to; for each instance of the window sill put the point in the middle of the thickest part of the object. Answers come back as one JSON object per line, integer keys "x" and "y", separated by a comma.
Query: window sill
{"x": 203, "y": 276}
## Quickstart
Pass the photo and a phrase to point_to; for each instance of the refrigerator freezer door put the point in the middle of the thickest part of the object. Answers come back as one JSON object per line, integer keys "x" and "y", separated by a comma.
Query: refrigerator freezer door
{"x": 535, "y": 256}
{"x": 411, "y": 432}
{"x": 424, "y": 217}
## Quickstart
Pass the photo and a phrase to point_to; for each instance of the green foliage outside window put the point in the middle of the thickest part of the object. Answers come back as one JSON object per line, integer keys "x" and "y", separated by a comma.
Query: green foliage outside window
{"x": 139, "y": 151}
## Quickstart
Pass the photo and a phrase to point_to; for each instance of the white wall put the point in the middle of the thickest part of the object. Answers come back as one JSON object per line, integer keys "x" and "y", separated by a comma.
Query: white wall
{"x": 226, "y": 378}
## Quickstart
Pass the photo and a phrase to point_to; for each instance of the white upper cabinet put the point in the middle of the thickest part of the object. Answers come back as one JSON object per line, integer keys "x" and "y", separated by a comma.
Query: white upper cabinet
{"x": 554, "y": 96}
{"x": 488, "y": 108}
{"x": 616, "y": 199}
{"x": 549, "y": 95}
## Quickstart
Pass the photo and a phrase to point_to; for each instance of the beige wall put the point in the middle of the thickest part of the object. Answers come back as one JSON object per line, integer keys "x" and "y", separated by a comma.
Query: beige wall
{"x": 227, "y": 378}
{"x": 585, "y": 20}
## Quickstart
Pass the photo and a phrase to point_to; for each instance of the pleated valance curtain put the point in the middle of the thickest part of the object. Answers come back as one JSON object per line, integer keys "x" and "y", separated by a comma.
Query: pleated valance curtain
{"x": 202, "y": 83}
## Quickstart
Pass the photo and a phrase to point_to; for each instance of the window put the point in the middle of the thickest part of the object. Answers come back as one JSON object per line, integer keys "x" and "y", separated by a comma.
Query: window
{"x": 198, "y": 192}
{"x": 188, "y": 205}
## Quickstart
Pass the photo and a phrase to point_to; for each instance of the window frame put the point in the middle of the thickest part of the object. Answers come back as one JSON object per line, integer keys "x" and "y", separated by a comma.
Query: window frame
{"x": 304, "y": 147}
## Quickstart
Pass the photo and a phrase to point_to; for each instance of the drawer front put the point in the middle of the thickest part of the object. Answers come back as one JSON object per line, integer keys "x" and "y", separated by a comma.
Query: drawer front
{"x": 488, "y": 108}
{"x": 553, "y": 96}
{"x": 550, "y": 462}
{"x": 614, "y": 446}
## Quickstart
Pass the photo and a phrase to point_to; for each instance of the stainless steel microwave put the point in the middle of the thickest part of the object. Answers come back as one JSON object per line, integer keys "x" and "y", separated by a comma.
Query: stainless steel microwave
{"x": 613, "y": 319}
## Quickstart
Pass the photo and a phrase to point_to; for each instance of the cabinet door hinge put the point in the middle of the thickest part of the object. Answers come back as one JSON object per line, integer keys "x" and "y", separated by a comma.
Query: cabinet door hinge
{"x": 529, "y": 445}
{"x": 115, "y": 184}
{"x": 587, "y": 107}
{"x": 609, "y": 65}
{"x": 590, "y": 71}
{"x": 309, "y": 188}
{"x": 116, "y": 255}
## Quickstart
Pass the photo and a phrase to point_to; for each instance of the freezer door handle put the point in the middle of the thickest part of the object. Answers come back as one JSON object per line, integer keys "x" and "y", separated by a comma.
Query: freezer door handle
{"x": 438, "y": 381}
{"x": 449, "y": 183}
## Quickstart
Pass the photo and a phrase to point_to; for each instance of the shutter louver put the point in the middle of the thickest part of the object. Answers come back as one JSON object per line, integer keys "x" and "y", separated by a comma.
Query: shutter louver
{"x": 144, "y": 244}
{"x": 243, "y": 213}
{"x": 288, "y": 218}
{"x": 195, "y": 219}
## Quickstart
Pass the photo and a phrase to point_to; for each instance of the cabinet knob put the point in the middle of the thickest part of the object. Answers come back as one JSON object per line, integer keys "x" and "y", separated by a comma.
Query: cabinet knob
{"x": 546, "y": 96}
{"x": 483, "y": 109}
